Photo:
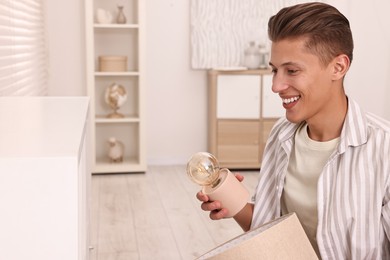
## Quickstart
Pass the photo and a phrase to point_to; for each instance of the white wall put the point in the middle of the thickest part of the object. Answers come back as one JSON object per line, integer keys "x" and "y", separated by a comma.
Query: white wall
{"x": 65, "y": 34}
{"x": 176, "y": 95}
{"x": 177, "y": 101}
{"x": 369, "y": 78}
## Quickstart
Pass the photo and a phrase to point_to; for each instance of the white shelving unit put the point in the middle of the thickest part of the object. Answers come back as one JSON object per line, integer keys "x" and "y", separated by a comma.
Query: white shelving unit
{"x": 117, "y": 40}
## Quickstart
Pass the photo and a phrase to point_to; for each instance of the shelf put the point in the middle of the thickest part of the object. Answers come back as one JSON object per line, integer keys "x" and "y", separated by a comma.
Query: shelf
{"x": 127, "y": 119}
{"x": 266, "y": 71}
{"x": 129, "y": 164}
{"x": 116, "y": 26}
{"x": 116, "y": 74}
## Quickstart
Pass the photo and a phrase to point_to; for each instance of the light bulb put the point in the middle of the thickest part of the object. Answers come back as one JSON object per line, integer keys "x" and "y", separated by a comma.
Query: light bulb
{"x": 218, "y": 184}
{"x": 203, "y": 169}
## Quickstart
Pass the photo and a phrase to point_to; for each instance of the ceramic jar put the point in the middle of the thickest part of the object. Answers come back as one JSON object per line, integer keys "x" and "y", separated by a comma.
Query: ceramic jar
{"x": 103, "y": 16}
{"x": 252, "y": 56}
{"x": 263, "y": 57}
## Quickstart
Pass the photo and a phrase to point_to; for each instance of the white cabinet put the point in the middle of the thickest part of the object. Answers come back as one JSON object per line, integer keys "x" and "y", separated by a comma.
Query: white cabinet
{"x": 242, "y": 110}
{"x": 124, "y": 40}
{"x": 44, "y": 180}
{"x": 238, "y": 97}
{"x": 272, "y": 103}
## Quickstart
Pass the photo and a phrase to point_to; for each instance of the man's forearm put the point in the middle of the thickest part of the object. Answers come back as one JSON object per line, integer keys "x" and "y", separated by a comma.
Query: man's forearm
{"x": 244, "y": 217}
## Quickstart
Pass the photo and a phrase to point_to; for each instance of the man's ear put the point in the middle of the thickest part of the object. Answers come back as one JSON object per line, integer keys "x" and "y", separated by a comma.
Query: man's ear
{"x": 340, "y": 66}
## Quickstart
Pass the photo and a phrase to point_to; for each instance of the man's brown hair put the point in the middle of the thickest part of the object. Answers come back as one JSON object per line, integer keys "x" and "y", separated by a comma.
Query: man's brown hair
{"x": 327, "y": 30}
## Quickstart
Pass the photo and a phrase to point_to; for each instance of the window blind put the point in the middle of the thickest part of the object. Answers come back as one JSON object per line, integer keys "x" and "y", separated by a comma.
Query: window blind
{"x": 23, "y": 55}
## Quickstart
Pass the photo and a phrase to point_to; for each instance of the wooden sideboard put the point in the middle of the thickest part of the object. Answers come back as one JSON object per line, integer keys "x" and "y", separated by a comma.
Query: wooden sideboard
{"x": 241, "y": 112}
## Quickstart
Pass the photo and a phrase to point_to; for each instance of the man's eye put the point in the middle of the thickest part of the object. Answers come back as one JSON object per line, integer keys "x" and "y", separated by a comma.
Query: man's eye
{"x": 292, "y": 71}
{"x": 274, "y": 71}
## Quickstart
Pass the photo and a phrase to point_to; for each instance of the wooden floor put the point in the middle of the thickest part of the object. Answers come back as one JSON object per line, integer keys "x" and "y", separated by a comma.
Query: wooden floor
{"x": 154, "y": 215}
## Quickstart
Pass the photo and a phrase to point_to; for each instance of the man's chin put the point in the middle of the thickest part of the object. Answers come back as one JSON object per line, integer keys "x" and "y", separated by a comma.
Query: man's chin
{"x": 294, "y": 120}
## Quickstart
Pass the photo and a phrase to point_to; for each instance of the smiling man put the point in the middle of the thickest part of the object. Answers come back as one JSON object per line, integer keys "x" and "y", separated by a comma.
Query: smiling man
{"x": 327, "y": 160}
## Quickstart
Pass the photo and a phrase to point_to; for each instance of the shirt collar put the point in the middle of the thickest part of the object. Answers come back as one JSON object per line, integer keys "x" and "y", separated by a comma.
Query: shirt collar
{"x": 353, "y": 133}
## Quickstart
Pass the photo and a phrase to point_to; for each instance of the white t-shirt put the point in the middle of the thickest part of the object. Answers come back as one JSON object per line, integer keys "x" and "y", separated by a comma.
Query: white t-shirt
{"x": 307, "y": 160}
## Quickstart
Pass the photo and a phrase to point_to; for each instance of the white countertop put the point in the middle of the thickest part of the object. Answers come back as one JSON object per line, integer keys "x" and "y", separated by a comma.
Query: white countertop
{"x": 41, "y": 126}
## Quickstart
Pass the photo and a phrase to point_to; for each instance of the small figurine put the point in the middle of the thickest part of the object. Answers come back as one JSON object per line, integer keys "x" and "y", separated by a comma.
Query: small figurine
{"x": 115, "y": 151}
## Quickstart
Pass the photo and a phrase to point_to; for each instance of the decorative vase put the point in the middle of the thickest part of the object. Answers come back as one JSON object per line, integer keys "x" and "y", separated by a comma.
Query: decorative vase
{"x": 121, "y": 18}
{"x": 252, "y": 56}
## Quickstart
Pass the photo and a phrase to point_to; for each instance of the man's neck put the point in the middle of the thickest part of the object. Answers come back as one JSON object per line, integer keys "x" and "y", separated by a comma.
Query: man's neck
{"x": 328, "y": 127}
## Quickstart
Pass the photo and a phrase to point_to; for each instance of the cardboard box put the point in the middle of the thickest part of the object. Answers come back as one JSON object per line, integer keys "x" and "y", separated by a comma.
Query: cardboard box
{"x": 283, "y": 238}
{"x": 112, "y": 63}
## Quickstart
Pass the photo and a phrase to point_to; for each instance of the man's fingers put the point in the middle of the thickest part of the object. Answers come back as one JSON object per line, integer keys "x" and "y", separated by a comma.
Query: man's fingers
{"x": 210, "y": 206}
{"x": 218, "y": 214}
{"x": 202, "y": 197}
{"x": 239, "y": 176}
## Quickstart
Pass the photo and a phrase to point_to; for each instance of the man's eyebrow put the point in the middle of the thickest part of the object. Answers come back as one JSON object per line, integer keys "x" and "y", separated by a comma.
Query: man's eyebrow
{"x": 285, "y": 64}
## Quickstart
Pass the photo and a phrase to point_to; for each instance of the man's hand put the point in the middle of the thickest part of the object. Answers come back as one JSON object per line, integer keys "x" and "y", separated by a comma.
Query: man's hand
{"x": 217, "y": 211}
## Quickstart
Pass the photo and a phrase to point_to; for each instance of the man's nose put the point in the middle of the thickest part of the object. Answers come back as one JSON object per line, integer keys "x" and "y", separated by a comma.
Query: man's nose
{"x": 278, "y": 83}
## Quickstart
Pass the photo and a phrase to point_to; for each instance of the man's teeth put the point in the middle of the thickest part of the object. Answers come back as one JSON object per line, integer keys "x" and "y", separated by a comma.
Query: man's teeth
{"x": 289, "y": 100}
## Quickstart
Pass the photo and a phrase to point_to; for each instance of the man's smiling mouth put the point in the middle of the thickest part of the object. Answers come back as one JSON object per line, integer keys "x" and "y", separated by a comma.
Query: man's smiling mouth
{"x": 290, "y": 100}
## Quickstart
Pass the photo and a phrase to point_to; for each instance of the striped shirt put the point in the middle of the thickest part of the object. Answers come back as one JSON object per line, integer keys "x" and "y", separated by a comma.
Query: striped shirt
{"x": 353, "y": 191}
